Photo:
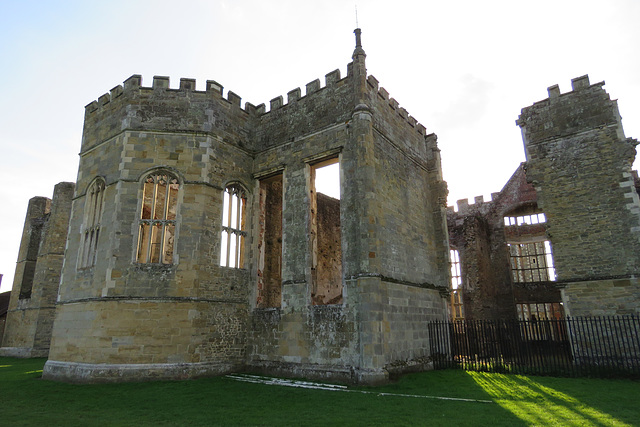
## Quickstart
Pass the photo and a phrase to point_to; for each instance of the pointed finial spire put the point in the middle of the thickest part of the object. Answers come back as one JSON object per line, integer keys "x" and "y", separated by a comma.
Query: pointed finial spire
{"x": 359, "y": 50}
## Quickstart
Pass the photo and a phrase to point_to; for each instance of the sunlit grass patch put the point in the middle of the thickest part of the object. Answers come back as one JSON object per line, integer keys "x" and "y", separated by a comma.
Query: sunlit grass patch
{"x": 538, "y": 404}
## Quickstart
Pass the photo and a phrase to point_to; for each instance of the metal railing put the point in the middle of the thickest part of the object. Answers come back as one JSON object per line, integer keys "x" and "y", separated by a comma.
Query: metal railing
{"x": 578, "y": 346}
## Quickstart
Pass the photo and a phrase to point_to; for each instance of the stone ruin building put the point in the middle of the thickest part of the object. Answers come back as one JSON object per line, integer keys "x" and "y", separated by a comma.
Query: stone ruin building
{"x": 197, "y": 243}
{"x": 563, "y": 235}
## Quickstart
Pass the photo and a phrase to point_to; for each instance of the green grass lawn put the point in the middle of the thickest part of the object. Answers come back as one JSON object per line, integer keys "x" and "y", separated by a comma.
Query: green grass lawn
{"x": 515, "y": 400}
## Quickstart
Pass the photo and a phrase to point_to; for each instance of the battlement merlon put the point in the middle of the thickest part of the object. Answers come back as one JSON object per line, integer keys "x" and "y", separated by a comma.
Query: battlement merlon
{"x": 586, "y": 106}
{"x": 134, "y": 83}
{"x": 465, "y": 208}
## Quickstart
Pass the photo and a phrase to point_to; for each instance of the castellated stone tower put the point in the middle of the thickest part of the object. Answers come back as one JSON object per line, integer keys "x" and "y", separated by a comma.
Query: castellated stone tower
{"x": 579, "y": 161}
{"x": 198, "y": 245}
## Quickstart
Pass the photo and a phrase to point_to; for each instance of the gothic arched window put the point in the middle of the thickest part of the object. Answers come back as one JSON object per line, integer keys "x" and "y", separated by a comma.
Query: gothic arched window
{"x": 93, "y": 206}
{"x": 233, "y": 226}
{"x": 157, "y": 223}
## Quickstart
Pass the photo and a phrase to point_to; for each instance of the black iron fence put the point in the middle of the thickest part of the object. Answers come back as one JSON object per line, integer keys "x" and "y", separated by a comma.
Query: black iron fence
{"x": 577, "y": 346}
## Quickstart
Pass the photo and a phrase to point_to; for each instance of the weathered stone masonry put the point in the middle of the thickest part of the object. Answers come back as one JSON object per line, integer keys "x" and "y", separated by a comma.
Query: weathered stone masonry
{"x": 578, "y": 174}
{"x": 162, "y": 279}
{"x": 579, "y": 161}
{"x": 120, "y": 318}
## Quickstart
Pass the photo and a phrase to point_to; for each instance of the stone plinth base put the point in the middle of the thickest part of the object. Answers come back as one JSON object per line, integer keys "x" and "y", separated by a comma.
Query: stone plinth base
{"x": 23, "y": 352}
{"x": 74, "y": 372}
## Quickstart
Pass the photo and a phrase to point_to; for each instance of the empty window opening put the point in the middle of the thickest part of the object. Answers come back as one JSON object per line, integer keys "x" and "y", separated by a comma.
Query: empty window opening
{"x": 327, "y": 180}
{"x": 538, "y": 218}
{"x": 157, "y": 222}
{"x": 325, "y": 232}
{"x": 536, "y": 319}
{"x": 233, "y": 227}
{"x": 94, "y": 201}
{"x": 457, "y": 311}
{"x": 540, "y": 311}
{"x": 456, "y": 278}
{"x": 270, "y": 243}
{"x": 532, "y": 262}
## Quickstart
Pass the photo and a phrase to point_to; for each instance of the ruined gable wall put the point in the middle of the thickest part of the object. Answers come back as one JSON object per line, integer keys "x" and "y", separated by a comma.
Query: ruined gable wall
{"x": 478, "y": 232}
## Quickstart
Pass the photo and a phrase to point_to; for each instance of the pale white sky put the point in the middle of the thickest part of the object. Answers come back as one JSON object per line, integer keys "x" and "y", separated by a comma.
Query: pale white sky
{"x": 463, "y": 68}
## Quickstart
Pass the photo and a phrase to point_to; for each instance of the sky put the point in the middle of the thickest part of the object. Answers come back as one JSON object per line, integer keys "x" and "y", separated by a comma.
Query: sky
{"x": 464, "y": 69}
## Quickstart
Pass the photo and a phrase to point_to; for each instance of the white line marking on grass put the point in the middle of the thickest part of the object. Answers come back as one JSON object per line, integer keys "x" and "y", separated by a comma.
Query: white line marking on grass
{"x": 256, "y": 379}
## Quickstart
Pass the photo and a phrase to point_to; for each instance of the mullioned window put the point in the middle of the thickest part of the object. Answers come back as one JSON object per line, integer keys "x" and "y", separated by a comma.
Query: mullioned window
{"x": 233, "y": 227}
{"x": 157, "y": 222}
{"x": 94, "y": 205}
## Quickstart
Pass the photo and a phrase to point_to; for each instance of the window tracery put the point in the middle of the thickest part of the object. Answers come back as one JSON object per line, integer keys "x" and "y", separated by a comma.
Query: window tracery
{"x": 233, "y": 227}
{"x": 157, "y": 223}
{"x": 94, "y": 204}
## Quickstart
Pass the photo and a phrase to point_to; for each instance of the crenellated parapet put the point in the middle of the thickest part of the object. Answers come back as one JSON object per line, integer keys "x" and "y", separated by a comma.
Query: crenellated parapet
{"x": 465, "y": 208}
{"x": 398, "y": 125}
{"x": 214, "y": 90}
{"x": 159, "y": 107}
{"x": 132, "y": 106}
{"x": 332, "y": 80}
{"x": 586, "y": 106}
{"x": 384, "y": 97}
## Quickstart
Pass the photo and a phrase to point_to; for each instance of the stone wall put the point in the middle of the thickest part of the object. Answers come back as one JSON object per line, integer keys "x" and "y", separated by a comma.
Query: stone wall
{"x": 191, "y": 311}
{"x": 479, "y": 233}
{"x": 35, "y": 287}
{"x": 380, "y": 250}
{"x": 579, "y": 161}
{"x": 328, "y": 279}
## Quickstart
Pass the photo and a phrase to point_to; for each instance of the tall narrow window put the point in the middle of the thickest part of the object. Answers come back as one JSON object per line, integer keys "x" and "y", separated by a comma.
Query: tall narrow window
{"x": 532, "y": 262}
{"x": 233, "y": 227}
{"x": 456, "y": 278}
{"x": 325, "y": 230}
{"x": 94, "y": 201}
{"x": 457, "y": 311}
{"x": 158, "y": 219}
